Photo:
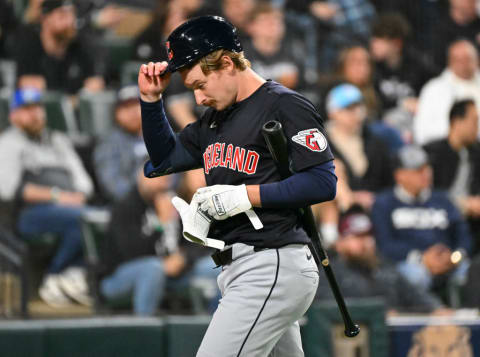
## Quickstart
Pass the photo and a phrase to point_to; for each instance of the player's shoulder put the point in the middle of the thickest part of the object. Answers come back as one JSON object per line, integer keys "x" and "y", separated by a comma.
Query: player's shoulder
{"x": 287, "y": 98}
{"x": 279, "y": 90}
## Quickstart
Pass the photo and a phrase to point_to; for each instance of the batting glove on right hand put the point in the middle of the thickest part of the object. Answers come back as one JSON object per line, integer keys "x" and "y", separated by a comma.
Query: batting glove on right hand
{"x": 223, "y": 201}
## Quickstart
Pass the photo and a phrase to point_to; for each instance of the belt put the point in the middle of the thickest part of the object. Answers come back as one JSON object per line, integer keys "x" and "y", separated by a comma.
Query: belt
{"x": 225, "y": 257}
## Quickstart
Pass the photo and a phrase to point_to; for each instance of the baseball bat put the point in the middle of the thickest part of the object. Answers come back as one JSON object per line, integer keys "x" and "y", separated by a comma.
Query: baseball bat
{"x": 277, "y": 145}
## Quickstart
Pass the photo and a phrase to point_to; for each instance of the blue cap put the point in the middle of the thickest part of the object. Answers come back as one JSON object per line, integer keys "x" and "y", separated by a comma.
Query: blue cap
{"x": 342, "y": 96}
{"x": 26, "y": 96}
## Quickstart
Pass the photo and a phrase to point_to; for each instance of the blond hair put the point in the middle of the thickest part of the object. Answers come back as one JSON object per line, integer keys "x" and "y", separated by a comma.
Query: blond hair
{"x": 213, "y": 61}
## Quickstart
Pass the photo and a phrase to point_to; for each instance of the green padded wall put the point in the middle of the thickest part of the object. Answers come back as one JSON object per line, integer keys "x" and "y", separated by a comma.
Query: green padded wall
{"x": 323, "y": 317}
{"x": 184, "y": 334}
{"x": 95, "y": 337}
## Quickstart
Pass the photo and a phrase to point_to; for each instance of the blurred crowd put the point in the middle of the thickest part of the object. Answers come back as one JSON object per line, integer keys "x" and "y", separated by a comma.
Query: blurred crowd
{"x": 398, "y": 86}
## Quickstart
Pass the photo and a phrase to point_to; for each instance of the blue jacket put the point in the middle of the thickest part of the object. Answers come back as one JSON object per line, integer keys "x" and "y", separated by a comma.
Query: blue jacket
{"x": 403, "y": 223}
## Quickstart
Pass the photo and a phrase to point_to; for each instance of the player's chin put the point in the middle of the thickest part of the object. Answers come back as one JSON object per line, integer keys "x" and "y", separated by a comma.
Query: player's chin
{"x": 213, "y": 105}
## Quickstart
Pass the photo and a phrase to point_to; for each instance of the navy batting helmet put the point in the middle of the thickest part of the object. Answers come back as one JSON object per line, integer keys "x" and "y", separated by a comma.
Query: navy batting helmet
{"x": 197, "y": 38}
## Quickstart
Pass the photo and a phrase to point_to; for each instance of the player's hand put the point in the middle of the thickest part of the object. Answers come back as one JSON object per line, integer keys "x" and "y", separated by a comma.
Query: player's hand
{"x": 151, "y": 82}
{"x": 223, "y": 201}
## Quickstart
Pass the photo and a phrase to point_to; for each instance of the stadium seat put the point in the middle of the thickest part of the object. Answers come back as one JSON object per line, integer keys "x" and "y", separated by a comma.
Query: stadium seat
{"x": 5, "y": 97}
{"x": 118, "y": 51}
{"x": 60, "y": 113}
{"x": 129, "y": 73}
{"x": 8, "y": 74}
{"x": 95, "y": 113}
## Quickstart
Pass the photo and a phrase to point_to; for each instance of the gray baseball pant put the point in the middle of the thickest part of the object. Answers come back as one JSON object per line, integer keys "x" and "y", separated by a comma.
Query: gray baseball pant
{"x": 264, "y": 294}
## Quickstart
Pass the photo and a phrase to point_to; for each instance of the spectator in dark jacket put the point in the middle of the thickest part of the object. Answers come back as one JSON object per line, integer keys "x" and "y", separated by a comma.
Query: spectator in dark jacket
{"x": 456, "y": 162}
{"x": 400, "y": 71}
{"x": 141, "y": 255}
{"x": 420, "y": 230}
{"x": 54, "y": 56}
{"x": 361, "y": 272}
{"x": 8, "y": 23}
{"x": 455, "y": 159}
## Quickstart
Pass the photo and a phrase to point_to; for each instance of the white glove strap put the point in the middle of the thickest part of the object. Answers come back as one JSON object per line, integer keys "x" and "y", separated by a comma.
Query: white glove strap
{"x": 252, "y": 216}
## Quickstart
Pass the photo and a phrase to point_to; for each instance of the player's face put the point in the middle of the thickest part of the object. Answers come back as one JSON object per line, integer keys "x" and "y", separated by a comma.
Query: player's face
{"x": 216, "y": 89}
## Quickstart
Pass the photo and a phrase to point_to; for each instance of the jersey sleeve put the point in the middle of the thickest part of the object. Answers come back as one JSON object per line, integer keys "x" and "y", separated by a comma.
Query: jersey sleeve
{"x": 190, "y": 138}
{"x": 307, "y": 142}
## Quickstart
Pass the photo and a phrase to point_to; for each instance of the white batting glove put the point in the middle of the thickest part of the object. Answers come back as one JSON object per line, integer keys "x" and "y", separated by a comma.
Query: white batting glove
{"x": 195, "y": 223}
{"x": 223, "y": 201}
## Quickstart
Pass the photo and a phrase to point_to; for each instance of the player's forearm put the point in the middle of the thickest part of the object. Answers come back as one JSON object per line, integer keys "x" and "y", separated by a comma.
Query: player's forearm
{"x": 157, "y": 133}
{"x": 253, "y": 192}
{"x": 317, "y": 184}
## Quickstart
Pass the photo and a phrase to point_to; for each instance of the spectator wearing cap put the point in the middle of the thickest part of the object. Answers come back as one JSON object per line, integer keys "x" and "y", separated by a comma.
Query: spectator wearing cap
{"x": 363, "y": 153}
{"x": 140, "y": 259}
{"x": 455, "y": 162}
{"x": 53, "y": 56}
{"x": 120, "y": 154}
{"x": 363, "y": 273}
{"x": 419, "y": 229}
{"x": 42, "y": 174}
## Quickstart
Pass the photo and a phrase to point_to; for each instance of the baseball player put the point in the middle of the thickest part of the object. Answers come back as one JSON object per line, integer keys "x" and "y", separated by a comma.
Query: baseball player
{"x": 268, "y": 277}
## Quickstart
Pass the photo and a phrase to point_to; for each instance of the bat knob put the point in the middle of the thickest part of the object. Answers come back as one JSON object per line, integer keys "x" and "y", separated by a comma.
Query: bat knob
{"x": 352, "y": 331}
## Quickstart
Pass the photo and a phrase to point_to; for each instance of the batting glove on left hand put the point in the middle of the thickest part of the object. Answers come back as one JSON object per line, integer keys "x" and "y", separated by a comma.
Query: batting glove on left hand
{"x": 223, "y": 201}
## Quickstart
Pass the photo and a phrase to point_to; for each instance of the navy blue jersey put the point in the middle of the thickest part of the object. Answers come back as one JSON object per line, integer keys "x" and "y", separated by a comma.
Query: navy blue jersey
{"x": 230, "y": 147}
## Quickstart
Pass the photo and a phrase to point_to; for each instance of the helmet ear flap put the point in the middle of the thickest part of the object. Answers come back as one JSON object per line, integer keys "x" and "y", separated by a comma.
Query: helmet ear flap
{"x": 199, "y": 37}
